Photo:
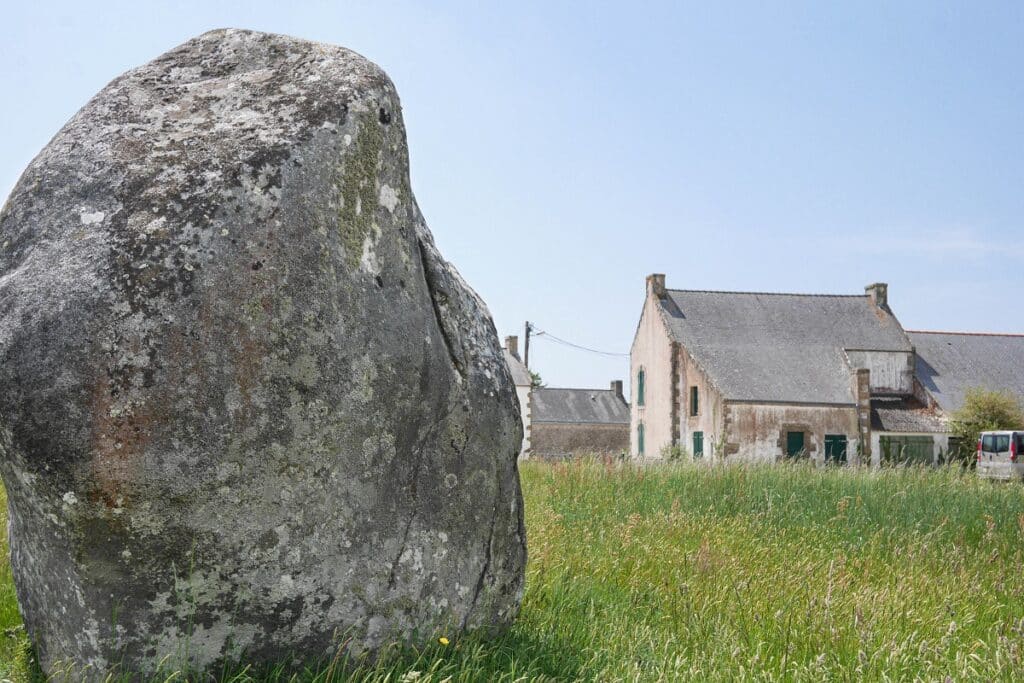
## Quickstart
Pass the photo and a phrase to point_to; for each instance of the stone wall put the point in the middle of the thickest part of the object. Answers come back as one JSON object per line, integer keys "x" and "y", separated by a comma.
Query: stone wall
{"x": 757, "y": 431}
{"x": 562, "y": 440}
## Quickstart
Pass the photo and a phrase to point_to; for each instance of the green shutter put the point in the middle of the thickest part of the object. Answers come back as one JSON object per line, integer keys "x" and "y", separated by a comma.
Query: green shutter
{"x": 794, "y": 444}
{"x": 640, "y": 438}
{"x": 835, "y": 448}
{"x": 640, "y": 387}
{"x": 698, "y": 444}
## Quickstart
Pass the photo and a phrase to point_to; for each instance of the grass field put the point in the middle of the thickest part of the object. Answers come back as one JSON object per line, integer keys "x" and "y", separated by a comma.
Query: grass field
{"x": 772, "y": 573}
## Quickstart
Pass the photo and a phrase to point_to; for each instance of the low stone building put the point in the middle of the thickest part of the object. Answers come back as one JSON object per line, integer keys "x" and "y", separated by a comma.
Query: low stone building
{"x": 524, "y": 383}
{"x": 764, "y": 377}
{"x": 950, "y": 363}
{"x": 573, "y": 422}
{"x": 908, "y": 430}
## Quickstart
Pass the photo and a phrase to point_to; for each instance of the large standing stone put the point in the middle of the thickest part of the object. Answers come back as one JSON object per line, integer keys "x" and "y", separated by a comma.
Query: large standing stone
{"x": 245, "y": 406}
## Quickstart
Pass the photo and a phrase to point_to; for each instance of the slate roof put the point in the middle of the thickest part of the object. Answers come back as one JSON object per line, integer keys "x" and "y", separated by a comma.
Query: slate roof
{"x": 779, "y": 347}
{"x": 949, "y": 363}
{"x": 520, "y": 373}
{"x": 578, "y": 406}
{"x": 906, "y": 415}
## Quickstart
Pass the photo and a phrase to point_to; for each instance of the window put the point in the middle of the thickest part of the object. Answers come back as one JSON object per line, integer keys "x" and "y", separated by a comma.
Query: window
{"x": 1002, "y": 443}
{"x": 640, "y": 387}
{"x": 988, "y": 443}
{"x": 794, "y": 444}
{"x": 694, "y": 407}
{"x": 698, "y": 444}
{"x": 639, "y": 438}
{"x": 906, "y": 450}
{"x": 835, "y": 449}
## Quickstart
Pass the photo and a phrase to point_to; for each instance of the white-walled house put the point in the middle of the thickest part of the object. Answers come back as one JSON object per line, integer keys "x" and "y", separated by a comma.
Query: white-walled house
{"x": 523, "y": 381}
{"x": 751, "y": 376}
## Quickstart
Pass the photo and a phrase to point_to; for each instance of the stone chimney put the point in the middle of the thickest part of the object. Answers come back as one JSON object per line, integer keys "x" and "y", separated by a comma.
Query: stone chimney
{"x": 617, "y": 388}
{"x": 879, "y": 293}
{"x": 656, "y": 285}
{"x": 512, "y": 346}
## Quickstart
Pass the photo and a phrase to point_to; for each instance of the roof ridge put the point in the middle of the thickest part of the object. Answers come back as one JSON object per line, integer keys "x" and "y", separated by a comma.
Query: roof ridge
{"x": 724, "y": 291}
{"x": 969, "y": 334}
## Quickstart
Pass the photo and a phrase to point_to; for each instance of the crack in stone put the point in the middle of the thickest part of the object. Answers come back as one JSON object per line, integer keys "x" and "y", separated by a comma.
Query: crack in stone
{"x": 435, "y": 294}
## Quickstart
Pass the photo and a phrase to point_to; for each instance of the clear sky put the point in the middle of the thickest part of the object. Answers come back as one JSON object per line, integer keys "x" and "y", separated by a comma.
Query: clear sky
{"x": 563, "y": 151}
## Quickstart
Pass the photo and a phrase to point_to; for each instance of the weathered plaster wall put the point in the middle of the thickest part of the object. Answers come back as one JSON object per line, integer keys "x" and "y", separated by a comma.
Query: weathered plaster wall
{"x": 757, "y": 432}
{"x": 940, "y": 445}
{"x": 710, "y": 408}
{"x": 523, "y": 394}
{"x": 891, "y": 371}
{"x": 562, "y": 440}
{"x": 651, "y": 351}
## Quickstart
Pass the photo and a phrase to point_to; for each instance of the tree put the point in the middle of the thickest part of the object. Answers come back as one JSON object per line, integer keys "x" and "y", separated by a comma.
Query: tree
{"x": 984, "y": 410}
{"x": 535, "y": 380}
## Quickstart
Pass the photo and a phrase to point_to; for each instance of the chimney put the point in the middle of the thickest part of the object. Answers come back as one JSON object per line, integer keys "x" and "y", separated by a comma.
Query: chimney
{"x": 656, "y": 285}
{"x": 617, "y": 388}
{"x": 512, "y": 345}
{"x": 879, "y": 293}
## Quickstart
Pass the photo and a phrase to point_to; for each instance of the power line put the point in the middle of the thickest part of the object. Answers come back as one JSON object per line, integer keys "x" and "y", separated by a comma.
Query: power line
{"x": 565, "y": 342}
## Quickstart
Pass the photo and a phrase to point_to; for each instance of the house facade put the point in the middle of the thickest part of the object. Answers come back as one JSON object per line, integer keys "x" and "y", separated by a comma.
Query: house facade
{"x": 570, "y": 423}
{"x": 522, "y": 379}
{"x": 746, "y": 376}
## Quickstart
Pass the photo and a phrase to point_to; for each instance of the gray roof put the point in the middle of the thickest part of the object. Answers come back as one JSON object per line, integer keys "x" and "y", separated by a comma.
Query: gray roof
{"x": 779, "y": 347}
{"x": 950, "y": 363}
{"x": 906, "y": 415}
{"x": 578, "y": 406}
{"x": 520, "y": 373}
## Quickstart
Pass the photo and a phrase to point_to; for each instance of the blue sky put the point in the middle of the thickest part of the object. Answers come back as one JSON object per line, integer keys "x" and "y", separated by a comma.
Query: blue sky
{"x": 563, "y": 151}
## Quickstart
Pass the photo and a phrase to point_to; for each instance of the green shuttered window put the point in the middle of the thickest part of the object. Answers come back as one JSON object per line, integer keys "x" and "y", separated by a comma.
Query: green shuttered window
{"x": 794, "y": 444}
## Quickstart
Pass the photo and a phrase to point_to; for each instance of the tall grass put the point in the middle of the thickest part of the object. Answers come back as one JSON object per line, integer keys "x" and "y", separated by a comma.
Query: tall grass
{"x": 772, "y": 573}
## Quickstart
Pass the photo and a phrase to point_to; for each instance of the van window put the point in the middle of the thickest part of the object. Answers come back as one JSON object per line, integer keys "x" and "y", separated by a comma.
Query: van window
{"x": 1020, "y": 442}
{"x": 1002, "y": 443}
{"x": 988, "y": 443}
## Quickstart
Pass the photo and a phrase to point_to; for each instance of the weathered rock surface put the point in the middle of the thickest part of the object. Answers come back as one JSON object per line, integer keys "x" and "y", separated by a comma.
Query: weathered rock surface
{"x": 245, "y": 406}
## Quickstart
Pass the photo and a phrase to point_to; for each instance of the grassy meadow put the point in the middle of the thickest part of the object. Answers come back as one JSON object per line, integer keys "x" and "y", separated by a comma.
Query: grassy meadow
{"x": 693, "y": 573}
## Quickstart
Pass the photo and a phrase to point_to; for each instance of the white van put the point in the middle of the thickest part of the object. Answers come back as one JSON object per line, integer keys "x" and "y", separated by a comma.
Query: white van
{"x": 1001, "y": 455}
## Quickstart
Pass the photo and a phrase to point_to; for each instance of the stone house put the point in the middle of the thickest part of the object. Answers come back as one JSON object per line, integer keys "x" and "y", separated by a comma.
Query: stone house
{"x": 573, "y": 422}
{"x": 524, "y": 382}
{"x": 751, "y": 376}
{"x": 950, "y": 363}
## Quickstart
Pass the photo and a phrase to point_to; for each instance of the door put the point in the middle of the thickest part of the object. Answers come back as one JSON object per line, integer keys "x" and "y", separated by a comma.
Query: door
{"x": 698, "y": 444}
{"x": 794, "y": 444}
{"x": 835, "y": 449}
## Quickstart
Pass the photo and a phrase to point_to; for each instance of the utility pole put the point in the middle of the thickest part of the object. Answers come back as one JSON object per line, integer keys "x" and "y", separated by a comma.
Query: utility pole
{"x": 526, "y": 346}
